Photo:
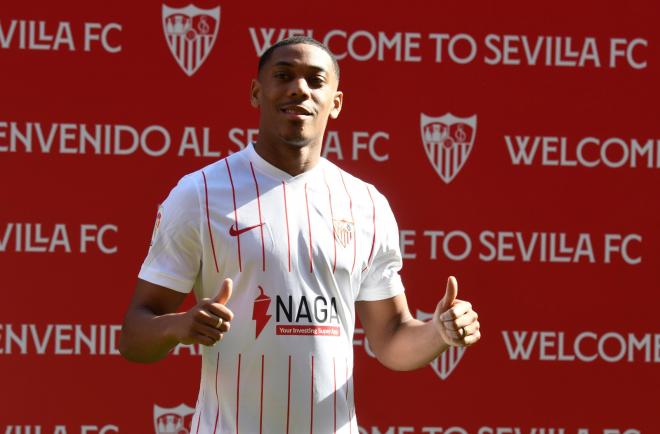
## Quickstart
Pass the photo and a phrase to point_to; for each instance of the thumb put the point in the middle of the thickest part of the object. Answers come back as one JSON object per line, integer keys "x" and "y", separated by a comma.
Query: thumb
{"x": 225, "y": 292}
{"x": 450, "y": 294}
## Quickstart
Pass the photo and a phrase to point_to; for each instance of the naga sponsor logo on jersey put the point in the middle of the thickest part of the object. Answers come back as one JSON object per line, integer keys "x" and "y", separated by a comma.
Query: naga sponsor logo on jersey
{"x": 448, "y": 141}
{"x": 445, "y": 363}
{"x": 172, "y": 420}
{"x": 296, "y": 316}
{"x": 190, "y": 33}
{"x": 260, "y": 311}
{"x": 344, "y": 231}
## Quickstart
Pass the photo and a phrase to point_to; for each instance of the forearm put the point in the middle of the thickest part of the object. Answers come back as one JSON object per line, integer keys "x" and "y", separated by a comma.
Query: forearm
{"x": 147, "y": 337}
{"x": 412, "y": 344}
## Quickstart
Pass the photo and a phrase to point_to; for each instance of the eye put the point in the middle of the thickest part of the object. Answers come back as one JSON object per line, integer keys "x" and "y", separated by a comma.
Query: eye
{"x": 316, "y": 80}
{"x": 281, "y": 75}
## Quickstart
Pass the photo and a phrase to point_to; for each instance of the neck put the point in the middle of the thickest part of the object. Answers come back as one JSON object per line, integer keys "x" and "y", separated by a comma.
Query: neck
{"x": 292, "y": 159}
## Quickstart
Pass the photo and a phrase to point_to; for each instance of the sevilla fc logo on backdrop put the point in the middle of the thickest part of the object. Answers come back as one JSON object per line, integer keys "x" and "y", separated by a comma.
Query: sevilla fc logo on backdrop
{"x": 448, "y": 141}
{"x": 172, "y": 420}
{"x": 190, "y": 33}
{"x": 445, "y": 363}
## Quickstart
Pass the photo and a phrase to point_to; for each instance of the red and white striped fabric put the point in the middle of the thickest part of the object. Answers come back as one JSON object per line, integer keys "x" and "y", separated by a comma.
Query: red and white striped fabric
{"x": 301, "y": 250}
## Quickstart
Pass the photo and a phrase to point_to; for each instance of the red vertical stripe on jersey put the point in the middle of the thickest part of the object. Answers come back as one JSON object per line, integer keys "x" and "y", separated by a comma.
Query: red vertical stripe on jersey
{"x": 373, "y": 240}
{"x": 288, "y": 399}
{"x": 261, "y": 400}
{"x": 199, "y": 415}
{"x": 350, "y": 204}
{"x": 311, "y": 402}
{"x": 238, "y": 390}
{"x": 348, "y": 405}
{"x": 217, "y": 397}
{"x": 286, "y": 217}
{"x": 332, "y": 222}
{"x": 334, "y": 393}
{"x": 208, "y": 221}
{"x": 309, "y": 229}
{"x": 238, "y": 236}
{"x": 261, "y": 222}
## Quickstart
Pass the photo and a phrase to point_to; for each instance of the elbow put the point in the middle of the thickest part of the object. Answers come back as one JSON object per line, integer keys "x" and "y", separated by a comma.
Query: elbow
{"x": 127, "y": 349}
{"x": 391, "y": 360}
{"x": 397, "y": 364}
{"x": 401, "y": 359}
{"x": 124, "y": 345}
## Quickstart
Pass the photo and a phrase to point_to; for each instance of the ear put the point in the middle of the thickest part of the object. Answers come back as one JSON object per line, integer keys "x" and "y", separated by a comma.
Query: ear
{"x": 255, "y": 93}
{"x": 337, "y": 102}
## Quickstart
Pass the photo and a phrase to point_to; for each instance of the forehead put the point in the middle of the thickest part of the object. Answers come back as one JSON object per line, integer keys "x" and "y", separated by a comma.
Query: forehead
{"x": 301, "y": 55}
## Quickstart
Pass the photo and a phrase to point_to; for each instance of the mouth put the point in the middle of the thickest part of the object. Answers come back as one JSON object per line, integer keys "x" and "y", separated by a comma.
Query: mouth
{"x": 295, "y": 111}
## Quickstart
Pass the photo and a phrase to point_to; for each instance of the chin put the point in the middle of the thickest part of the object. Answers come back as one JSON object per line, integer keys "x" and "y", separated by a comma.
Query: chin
{"x": 297, "y": 141}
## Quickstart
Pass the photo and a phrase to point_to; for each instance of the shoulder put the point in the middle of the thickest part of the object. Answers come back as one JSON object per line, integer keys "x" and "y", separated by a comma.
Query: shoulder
{"x": 220, "y": 171}
{"x": 365, "y": 191}
{"x": 197, "y": 180}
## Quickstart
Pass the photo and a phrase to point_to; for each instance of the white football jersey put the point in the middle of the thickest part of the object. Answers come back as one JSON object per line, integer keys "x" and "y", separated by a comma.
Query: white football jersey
{"x": 300, "y": 250}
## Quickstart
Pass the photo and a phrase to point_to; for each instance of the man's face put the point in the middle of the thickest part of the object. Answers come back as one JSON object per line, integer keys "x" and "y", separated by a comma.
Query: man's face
{"x": 296, "y": 91}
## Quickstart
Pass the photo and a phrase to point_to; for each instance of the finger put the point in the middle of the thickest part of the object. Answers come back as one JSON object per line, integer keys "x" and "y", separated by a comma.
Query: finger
{"x": 216, "y": 321}
{"x": 472, "y": 339}
{"x": 225, "y": 292}
{"x": 463, "y": 334}
{"x": 208, "y": 331}
{"x": 450, "y": 294}
{"x": 220, "y": 311}
{"x": 462, "y": 321}
{"x": 204, "y": 340}
{"x": 459, "y": 309}
{"x": 469, "y": 329}
{"x": 205, "y": 317}
{"x": 225, "y": 326}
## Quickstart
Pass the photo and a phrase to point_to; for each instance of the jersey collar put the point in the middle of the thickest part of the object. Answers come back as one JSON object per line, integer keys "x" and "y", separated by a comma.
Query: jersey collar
{"x": 275, "y": 172}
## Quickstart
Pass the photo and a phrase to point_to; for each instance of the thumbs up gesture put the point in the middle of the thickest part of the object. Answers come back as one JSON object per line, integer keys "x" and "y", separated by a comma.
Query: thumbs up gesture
{"x": 208, "y": 320}
{"x": 454, "y": 319}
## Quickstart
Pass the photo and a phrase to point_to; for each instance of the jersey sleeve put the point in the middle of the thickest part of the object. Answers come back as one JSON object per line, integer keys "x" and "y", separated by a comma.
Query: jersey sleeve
{"x": 174, "y": 258}
{"x": 381, "y": 280}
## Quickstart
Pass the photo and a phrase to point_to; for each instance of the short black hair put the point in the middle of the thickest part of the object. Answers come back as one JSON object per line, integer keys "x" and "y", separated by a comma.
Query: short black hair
{"x": 293, "y": 41}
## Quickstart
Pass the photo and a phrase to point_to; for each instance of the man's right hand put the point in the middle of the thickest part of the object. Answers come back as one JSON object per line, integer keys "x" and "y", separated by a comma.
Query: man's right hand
{"x": 208, "y": 320}
{"x": 153, "y": 327}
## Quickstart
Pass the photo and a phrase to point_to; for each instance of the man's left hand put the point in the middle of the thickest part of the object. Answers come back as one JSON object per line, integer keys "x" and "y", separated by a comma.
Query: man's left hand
{"x": 455, "y": 320}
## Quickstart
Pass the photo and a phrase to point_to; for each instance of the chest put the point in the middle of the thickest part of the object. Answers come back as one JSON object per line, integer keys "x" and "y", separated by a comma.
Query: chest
{"x": 272, "y": 226}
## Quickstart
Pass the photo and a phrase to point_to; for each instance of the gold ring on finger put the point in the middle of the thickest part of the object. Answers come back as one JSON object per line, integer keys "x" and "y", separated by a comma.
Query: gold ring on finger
{"x": 219, "y": 324}
{"x": 465, "y": 333}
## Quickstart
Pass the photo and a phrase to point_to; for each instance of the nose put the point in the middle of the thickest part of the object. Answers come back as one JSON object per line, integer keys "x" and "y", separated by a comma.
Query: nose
{"x": 299, "y": 87}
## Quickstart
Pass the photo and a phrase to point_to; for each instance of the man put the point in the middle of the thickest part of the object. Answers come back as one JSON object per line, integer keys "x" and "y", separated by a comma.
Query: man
{"x": 284, "y": 247}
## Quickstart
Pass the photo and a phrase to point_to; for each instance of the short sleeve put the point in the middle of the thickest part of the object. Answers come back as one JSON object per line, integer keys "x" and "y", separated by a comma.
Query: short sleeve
{"x": 174, "y": 257}
{"x": 381, "y": 280}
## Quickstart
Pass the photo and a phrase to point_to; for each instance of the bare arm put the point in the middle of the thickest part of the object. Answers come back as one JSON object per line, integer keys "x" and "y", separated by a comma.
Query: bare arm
{"x": 152, "y": 327}
{"x": 403, "y": 343}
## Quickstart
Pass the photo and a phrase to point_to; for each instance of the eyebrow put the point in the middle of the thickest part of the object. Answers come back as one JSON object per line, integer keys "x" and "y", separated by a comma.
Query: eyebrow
{"x": 289, "y": 64}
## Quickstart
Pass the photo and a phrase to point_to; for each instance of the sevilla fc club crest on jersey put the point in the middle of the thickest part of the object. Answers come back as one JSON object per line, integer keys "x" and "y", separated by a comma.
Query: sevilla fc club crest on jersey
{"x": 344, "y": 231}
{"x": 190, "y": 33}
{"x": 445, "y": 363}
{"x": 172, "y": 420}
{"x": 448, "y": 141}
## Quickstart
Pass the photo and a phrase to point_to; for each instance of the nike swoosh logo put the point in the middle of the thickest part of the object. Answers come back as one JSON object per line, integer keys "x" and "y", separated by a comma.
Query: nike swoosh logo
{"x": 236, "y": 232}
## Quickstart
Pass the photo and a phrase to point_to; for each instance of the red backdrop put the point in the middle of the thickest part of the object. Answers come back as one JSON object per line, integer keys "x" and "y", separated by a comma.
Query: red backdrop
{"x": 548, "y": 215}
